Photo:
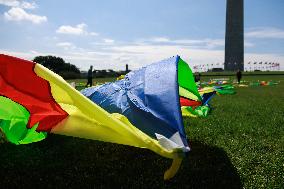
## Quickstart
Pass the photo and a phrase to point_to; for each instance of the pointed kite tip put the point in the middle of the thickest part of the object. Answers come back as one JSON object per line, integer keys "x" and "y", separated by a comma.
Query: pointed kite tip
{"x": 171, "y": 172}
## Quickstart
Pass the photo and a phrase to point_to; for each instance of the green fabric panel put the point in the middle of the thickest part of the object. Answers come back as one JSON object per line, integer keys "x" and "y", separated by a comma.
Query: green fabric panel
{"x": 272, "y": 83}
{"x": 200, "y": 111}
{"x": 187, "y": 112}
{"x": 254, "y": 84}
{"x": 33, "y": 136}
{"x": 185, "y": 93}
{"x": 185, "y": 78}
{"x": 226, "y": 89}
{"x": 14, "y": 119}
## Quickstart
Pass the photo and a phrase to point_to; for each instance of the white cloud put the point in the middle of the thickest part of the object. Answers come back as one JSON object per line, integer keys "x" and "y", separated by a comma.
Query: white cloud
{"x": 34, "y": 52}
{"x": 77, "y": 30}
{"x": 80, "y": 29}
{"x": 213, "y": 43}
{"x": 161, "y": 39}
{"x": 114, "y": 55}
{"x": 93, "y": 34}
{"x": 27, "y": 5}
{"x": 151, "y": 53}
{"x": 268, "y": 32}
{"x": 66, "y": 45}
{"x": 190, "y": 41}
{"x": 108, "y": 40}
{"x": 10, "y": 3}
{"x": 206, "y": 43}
{"x": 19, "y": 4}
{"x": 136, "y": 56}
{"x": 248, "y": 44}
{"x": 19, "y": 14}
{"x": 199, "y": 43}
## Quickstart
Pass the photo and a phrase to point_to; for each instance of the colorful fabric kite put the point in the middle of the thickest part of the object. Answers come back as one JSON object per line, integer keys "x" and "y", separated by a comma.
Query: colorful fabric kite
{"x": 190, "y": 99}
{"x": 200, "y": 111}
{"x": 149, "y": 98}
{"x": 225, "y": 89}
{"x": 41, "y": 102}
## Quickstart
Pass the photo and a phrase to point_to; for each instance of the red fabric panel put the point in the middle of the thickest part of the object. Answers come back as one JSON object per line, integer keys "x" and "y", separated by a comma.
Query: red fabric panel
{"x": 187, "y": 102}
{"x": 19, "y": 82}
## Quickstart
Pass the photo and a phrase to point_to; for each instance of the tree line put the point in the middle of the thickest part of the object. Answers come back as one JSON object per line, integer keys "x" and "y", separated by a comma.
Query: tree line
{"x": 70, "y": 71}
{"x": 59, "y": 66}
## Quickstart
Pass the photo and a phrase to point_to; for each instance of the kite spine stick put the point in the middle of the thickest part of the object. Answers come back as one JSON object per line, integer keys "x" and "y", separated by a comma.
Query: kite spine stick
{"x": 171, "y": 172}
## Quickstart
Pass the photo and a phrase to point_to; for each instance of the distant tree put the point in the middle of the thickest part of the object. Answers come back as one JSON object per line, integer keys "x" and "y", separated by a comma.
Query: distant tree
{"x": 53, "y": 63}
{"x": 59, "y": 66}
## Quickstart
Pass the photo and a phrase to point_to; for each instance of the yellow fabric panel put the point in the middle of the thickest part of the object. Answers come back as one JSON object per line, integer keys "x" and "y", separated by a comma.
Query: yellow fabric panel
{"x": 185, "y": 93}
{"x": 186, "y": 113}
{"x": 242, "y": 85}
{"x": 206, "y": 90}
{"x": 88, "y": 120}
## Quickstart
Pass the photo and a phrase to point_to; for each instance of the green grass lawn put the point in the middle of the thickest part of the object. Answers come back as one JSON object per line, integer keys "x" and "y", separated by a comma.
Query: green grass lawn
{"x": 95, "y": 80}
{"x": 257, "y": 73}
{"x": 240, "y": 144}
{"x": 249, "y": 127}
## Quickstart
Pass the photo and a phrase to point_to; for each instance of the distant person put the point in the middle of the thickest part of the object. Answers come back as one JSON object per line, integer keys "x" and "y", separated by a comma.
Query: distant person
{"x": 239, "y": 76}
{"x": 90, "y": 77}
{"x": 197, "y": 77}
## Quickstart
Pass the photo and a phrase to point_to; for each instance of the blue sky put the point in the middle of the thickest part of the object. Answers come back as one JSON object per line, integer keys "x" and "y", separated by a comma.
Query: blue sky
{"x": 108, "y": 34}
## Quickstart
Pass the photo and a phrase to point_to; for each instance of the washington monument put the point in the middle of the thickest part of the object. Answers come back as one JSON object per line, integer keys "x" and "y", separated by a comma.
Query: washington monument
{"x": 234, "y": 39}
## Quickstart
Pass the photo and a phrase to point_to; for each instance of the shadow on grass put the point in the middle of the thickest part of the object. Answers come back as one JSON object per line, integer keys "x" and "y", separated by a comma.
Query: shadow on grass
{"x": 61, "y": 161}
